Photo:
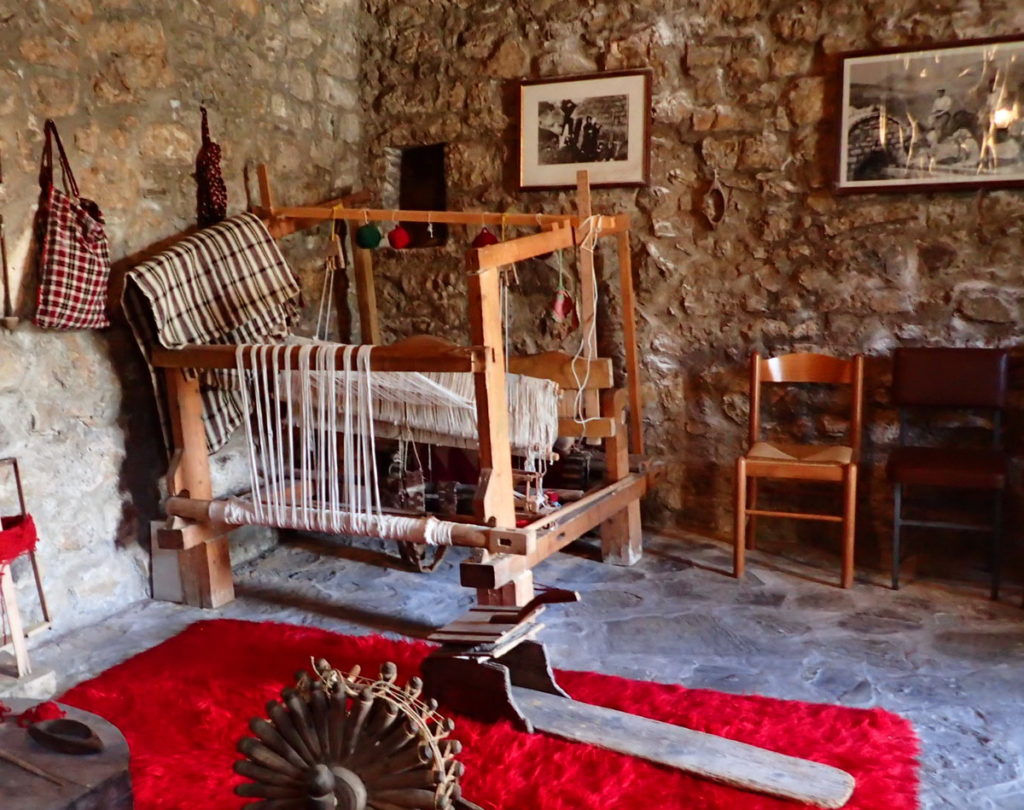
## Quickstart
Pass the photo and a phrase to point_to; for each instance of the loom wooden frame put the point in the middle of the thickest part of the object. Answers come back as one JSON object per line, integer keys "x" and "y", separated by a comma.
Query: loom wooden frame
{"x": 502, "y": 573}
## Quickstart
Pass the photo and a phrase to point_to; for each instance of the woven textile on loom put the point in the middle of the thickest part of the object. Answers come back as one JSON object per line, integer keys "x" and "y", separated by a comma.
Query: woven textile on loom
{"x": 226, "y": 284}
{"x": 440, "y": 408}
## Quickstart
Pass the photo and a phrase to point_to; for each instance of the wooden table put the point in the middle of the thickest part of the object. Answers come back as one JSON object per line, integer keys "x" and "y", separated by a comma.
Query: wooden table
{"x": 92, "y": 781}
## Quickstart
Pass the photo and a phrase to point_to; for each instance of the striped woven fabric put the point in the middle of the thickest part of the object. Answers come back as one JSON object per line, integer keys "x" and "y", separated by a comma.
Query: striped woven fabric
{"x": 226, "y": 284}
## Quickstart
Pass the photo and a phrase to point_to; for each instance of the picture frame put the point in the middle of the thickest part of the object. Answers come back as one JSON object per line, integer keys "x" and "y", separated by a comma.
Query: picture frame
{"x": 942, "y": 117}
{"x": 600, "y": 122}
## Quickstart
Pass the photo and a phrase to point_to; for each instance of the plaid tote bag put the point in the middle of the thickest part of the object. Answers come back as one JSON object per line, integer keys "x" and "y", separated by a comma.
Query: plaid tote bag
{"x": 74, "y": 259}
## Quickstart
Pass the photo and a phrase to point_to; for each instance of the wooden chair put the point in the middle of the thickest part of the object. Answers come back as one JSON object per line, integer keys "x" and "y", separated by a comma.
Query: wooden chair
{"x": 944, "y": 379}
{"x": 780, "y": 460}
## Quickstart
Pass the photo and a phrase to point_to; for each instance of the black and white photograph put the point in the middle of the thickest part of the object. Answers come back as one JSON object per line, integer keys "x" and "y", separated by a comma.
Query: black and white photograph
{"x": 947, "y": 116}
{"x": 583, "y": 130}
{"x": 597, "y": 122}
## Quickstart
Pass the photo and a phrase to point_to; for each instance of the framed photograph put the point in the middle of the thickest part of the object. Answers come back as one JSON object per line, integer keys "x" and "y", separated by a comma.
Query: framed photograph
{"x": 944, "y": 117}
{"x": 600, "y": 122}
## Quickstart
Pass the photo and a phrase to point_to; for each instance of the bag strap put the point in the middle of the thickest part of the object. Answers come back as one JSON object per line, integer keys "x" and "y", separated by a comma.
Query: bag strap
{"x": 46, "y": 167}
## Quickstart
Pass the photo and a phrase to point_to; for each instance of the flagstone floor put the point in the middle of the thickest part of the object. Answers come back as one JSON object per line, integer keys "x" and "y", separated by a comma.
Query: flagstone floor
{"x": 940, "y": 654}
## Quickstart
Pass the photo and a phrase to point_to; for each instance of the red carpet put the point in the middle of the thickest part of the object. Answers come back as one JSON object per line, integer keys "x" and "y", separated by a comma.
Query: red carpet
{"x": 184, "y": 704}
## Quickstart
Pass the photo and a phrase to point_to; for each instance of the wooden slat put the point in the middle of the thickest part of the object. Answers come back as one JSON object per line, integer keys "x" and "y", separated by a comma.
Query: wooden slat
{"x": 517, "y": 250}
{"x": 806, "y": 367}
{"x": 594, "y": 428}
{"x": 564, "y": 369}
{"x": 636, "y": 407}
{"x": 422, "y": 353}
{"x": 706, "y": 755}
{"x": 796, "y": 515}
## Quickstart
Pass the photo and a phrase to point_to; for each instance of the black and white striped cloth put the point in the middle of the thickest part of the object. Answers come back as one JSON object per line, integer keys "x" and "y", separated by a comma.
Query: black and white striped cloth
{"x": 226, "y": 284}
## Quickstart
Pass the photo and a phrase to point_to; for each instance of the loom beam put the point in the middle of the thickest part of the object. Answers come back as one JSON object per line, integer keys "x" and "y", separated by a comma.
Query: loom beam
{"x": 203, "y": 512}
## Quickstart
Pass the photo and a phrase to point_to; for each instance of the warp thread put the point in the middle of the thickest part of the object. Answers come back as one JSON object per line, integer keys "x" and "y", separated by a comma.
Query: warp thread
{"x": 299, "y": 479}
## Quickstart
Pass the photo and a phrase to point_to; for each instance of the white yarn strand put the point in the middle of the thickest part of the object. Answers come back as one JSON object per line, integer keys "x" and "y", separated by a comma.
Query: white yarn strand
{"x": 320, "y": 489}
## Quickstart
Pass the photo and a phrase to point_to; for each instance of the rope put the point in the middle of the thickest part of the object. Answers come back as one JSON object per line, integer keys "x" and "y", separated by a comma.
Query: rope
{"x": 591, "y": 228}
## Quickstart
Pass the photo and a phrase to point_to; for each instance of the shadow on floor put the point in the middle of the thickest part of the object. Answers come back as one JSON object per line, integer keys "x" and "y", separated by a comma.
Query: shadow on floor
{"x": 373, "y": 620}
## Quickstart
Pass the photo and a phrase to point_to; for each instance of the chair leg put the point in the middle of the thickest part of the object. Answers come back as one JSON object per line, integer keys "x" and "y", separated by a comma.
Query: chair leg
{"x": 751, "y": 533}
{"x": 996, "y": 551}
{"x": 739, "y": 533}
{"x": 849, "y": 524}
{"x": 897, "y": 527}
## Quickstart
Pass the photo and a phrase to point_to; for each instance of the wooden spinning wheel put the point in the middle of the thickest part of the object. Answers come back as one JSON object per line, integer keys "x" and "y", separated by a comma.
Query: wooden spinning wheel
{"x": 346, "y": 742}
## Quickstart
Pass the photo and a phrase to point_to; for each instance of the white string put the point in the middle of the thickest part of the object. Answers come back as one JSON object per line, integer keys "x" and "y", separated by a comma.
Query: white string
{"x": 591, "y": 227}
{"x": 318, "y": 490}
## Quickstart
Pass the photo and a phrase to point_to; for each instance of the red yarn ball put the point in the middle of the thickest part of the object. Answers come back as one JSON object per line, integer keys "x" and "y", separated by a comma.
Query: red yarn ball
{"x": 399, "y": 237}
{"x": 484, "y": 238}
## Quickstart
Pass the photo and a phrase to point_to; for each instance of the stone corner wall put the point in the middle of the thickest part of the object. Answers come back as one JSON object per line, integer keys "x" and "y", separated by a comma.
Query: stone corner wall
{"x": 743, "y": 91}
{"x": 124, "y": 81}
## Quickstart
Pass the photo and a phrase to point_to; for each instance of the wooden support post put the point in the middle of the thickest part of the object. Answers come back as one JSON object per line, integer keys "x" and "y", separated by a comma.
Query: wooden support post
{"x": 366, "y": 294}
{"x": 849, "y": 523}
{"x": 740, "y": 529}
{"x": 206, "y": 574}
{"x": 266, "y": 196}
{"x": 588, "y": 290}
{"x": 190, "y": 468}
{"x": 621, "y": 536}
{"x": 495, "y": 503}
{"x": 636, "y": 433}
{"x": 10, "y": 600}
{"x": 205, "y": 569}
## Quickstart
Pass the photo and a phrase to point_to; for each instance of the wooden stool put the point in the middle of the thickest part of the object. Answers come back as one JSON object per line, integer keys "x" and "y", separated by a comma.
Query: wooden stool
{"x": 8, "y": 593}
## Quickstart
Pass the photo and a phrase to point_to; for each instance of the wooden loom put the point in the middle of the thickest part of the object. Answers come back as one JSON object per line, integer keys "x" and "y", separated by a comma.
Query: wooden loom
{"x": 502, "y": 574}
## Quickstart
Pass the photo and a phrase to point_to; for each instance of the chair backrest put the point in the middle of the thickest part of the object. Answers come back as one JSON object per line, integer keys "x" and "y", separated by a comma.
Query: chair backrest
{"x": 808, "y": 367}
{"x": 950, "y": 378}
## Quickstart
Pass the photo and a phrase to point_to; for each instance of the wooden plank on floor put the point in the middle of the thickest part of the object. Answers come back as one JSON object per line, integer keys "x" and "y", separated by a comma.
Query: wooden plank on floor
{"x": 716, "y": 758}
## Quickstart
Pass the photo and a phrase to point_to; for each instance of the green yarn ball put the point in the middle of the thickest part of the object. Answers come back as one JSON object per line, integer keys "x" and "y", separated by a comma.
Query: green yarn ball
{"x": 368, "y": 236}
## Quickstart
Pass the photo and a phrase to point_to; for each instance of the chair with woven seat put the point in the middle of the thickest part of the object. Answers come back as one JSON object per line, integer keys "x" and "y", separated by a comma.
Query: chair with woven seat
{"x": 950, "y": 379}
{"x": 784, "y": 460}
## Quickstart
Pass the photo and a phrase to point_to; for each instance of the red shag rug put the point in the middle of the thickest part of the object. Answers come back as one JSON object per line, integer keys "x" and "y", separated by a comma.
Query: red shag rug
{"x": 184, "y": 704}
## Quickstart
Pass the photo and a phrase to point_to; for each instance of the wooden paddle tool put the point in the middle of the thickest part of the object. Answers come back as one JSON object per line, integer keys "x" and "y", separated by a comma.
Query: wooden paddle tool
{"x": 489, "y": 667}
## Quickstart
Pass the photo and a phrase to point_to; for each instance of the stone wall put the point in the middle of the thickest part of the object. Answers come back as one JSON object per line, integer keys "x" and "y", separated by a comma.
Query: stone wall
{"x": 746, "y": 90}
{"x": 124, "y": 80}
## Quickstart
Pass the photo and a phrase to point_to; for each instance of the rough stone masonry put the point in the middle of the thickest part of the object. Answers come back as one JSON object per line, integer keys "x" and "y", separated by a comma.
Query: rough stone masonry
{"x": 747, "y": 90}
{"x": 124, "y": 80}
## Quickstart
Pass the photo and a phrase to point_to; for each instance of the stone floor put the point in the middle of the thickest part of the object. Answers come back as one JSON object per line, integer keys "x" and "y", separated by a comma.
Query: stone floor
{"x": 941, "y": 655}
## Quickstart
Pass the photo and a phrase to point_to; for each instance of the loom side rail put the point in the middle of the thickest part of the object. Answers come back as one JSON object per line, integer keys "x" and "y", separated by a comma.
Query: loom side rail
{"x": 421, "y": 353}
